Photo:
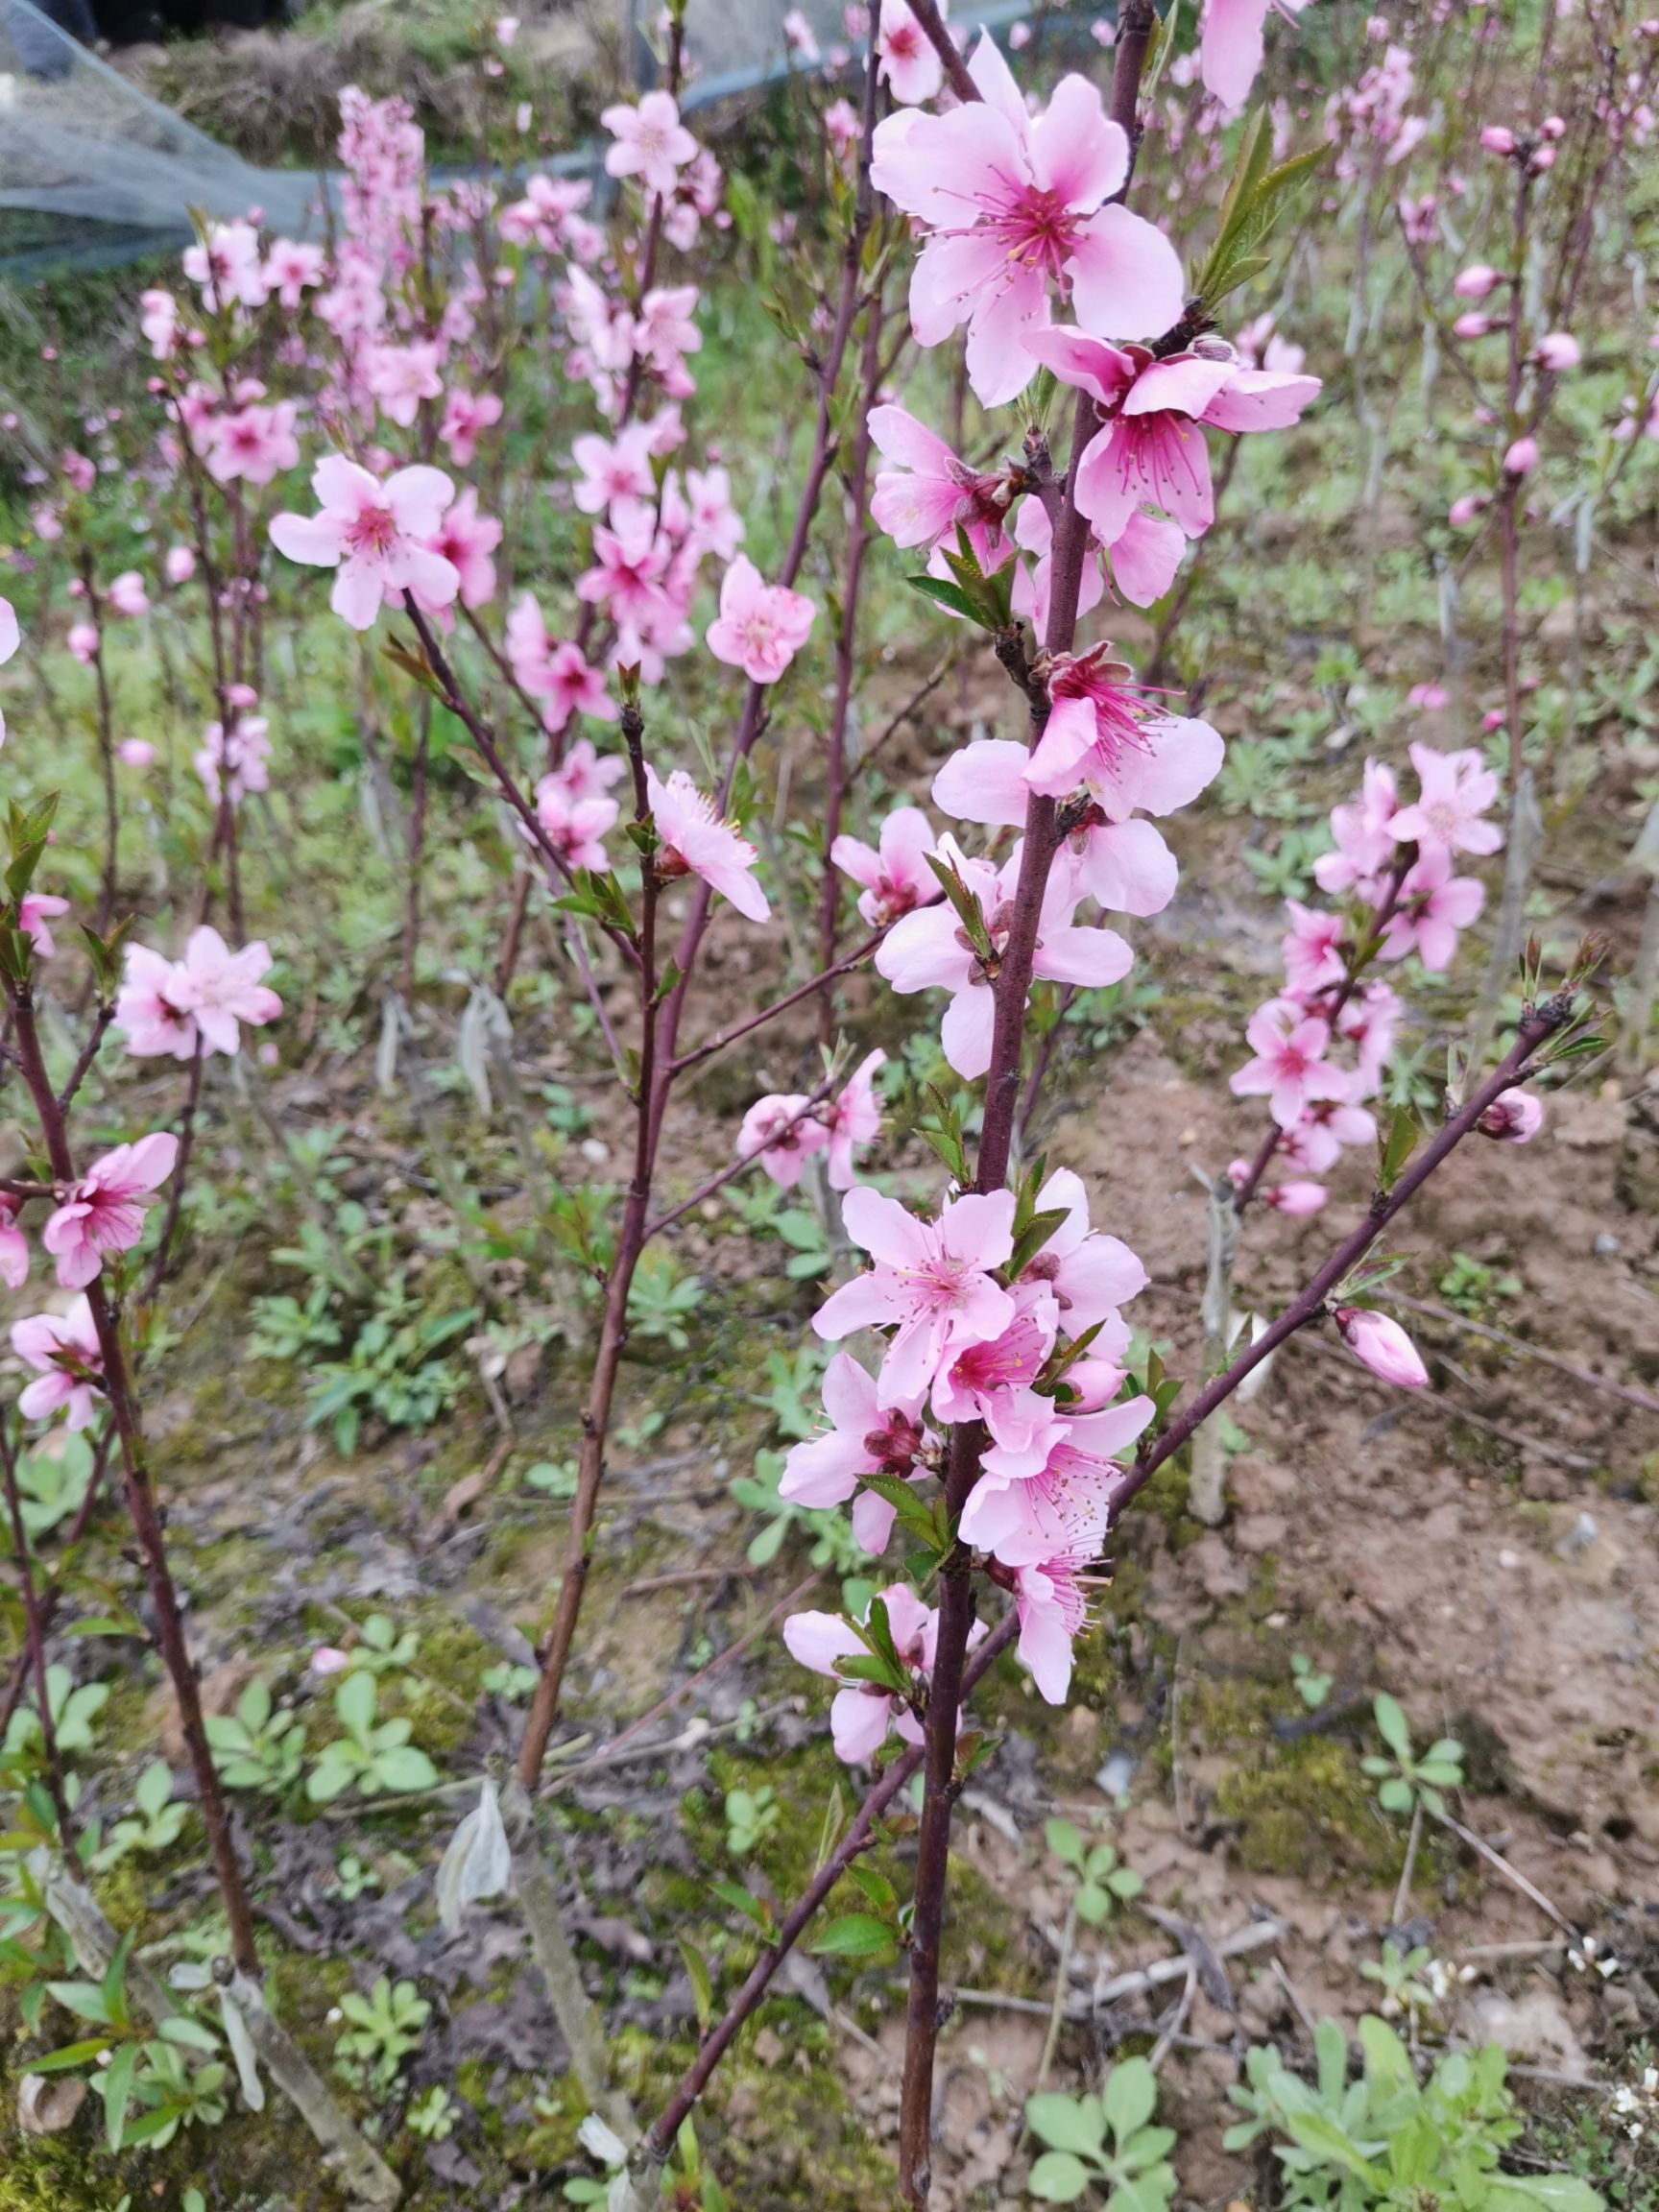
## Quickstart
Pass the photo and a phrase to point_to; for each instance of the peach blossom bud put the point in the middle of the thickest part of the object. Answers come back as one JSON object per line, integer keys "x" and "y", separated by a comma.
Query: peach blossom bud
{"x": 1514, "y": 1119}
{"x": 1475, "y": 281}
{"x": 1464, "y": 510}
{"x": 1496, "y": 140}
{"x": 1543, "y": 158}
{"x": 1558, "y": 349}
{"x": 136, "y": 752}
{"x": 1522, "y": 457}
{"x": 1381, "y": 1344}
{"x": 180, "y": 564}
{"x": 1471, "y": 325}
{"x": 1295, "y": 1199}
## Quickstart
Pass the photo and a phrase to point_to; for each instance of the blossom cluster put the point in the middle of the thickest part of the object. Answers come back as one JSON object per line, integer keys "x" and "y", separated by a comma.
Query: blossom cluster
{"x": 1393, "y": 865}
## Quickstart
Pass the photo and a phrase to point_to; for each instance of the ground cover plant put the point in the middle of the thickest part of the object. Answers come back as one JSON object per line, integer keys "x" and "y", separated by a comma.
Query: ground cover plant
{"x": 829, "y": 1200}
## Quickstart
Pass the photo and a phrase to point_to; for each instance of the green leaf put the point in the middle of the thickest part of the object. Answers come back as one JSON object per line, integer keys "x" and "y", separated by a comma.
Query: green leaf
{"x": 1037, "y": 1233}
{"x": 191, "y": 2033}
{"x": 1391, "y": 1724}
{"x": 1395, "y": 1795}
{"x": 967, "y": 906}
{"x": 404, "y": 1768}
{"x": 741, "y": 1899}
{"x": 1387, "y": 2061}
{"x": 1397, "y": 1148}
{"x": 1557, "y": 2192}
{"x": 702, "y": 1988}
{"x": 944, "y": 594}
{"x": 118, "y": 2091}
{"x": 1130, "y": 2096}
{"x": 354, "y": 1702}
{"x": 87, "y": 2000}
{"x": 1058, "y": 2178}
{"x": 1066, "y": 2122}
{"x": 71, "y": 2054}
{"x": 855, "y": 1935}
{"x": 1317, "y": 2133}
{"x": 875, "y": 1886}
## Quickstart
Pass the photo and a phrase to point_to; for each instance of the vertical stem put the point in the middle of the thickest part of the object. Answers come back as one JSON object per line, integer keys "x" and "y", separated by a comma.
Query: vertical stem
{"x": 160, "y": 1266}
{"x": 1137, "y": 20}
{"x": 417, "y": 852}
{"x": 1526, "y": 829}
{"x": 141, "y": 1506}
{"x": 613, "y": 1330}
{"x": 847, "y": 656}
{"x": 107, "y": 892}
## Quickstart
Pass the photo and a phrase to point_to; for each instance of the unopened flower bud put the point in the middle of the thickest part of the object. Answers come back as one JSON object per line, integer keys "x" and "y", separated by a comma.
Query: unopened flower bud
{"x": 1475, "y": 281}
{"x": 1514, "y": 1119}
{"x": 1556, "y": 351}
{"x": 1465, "y": 510}
{"x": 1382, "y": 1345}
{"x": 1295, "y": 1199}
{"x": 1522, "y": 457}
{"x": 1496, "y": 140}
{"x": 1471, "y": 325}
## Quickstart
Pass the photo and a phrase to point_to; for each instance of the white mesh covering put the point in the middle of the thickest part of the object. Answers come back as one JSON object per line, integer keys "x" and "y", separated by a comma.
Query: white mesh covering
{"x": 93, "y": 170}
{"x": 87, "y": 161}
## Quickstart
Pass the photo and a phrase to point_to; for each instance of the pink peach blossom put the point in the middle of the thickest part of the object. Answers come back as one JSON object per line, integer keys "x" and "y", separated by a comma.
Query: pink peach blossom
{"x": 649, "y": 142}
{"x": 375, "y": 535}
{"x": 35, "y": 910}
{"x": 762, "y": 626}
{"x": 64, "y": 1352}
{"x": 695, "y": 841}
{"x": 928, "y": 950}
{"x": 1289, "y": 1070}
{"x": 1150, "y": 449}
{"x": 1456, "y": 789}
{"x": 1016, "y": 207}
{"x": 932, "y": 1282}
{"x": 895, "y": 876}
{"x": 782, "y": 1133}
{"x": 854, "y": 1119}
{"x": 104, "y": 1212}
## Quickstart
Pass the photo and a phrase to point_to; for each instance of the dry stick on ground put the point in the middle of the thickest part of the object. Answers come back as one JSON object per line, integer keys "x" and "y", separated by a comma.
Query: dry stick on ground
{"x": 366, "y": 2172}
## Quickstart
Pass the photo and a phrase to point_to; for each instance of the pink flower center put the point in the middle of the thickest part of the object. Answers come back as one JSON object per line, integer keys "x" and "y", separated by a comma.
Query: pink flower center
{"x": 1035, "y": 229}
{"x": 940, "y": 1284}
{"x": 1008, "y": 1363}
{"x": 372, "y": 533}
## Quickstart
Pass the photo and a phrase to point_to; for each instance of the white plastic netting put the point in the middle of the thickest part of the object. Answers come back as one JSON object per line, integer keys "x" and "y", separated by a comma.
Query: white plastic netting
{"x": 92, "y": 170}
{"x": 90, "y": 167}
